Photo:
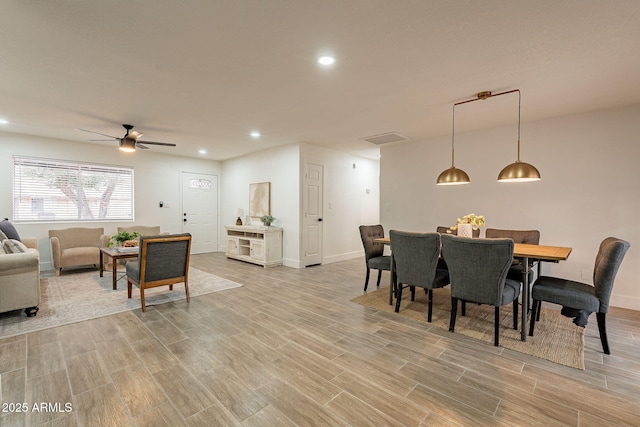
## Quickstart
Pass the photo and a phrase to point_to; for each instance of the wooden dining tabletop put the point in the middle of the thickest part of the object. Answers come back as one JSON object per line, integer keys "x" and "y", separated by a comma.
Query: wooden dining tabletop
{"x": 543, "y": 252}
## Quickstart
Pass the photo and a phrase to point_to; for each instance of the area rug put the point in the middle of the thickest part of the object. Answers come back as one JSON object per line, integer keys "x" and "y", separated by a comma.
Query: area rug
{"x": 74, "y": 297}
{"x": 556, "y": 338}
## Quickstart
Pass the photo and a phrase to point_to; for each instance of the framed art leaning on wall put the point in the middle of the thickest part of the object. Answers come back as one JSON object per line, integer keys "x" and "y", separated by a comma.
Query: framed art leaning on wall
{"x": 259, "y": 199}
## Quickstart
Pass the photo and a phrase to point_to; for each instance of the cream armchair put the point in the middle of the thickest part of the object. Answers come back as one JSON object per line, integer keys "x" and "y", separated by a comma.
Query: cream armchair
{"x": 142, "y": 230}
{"x": 75, "y": 247}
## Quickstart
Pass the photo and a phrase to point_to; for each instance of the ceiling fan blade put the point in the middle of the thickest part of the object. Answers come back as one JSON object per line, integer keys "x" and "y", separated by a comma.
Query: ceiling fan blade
{"x": 138, "y": 145}
{"x": 101, "y": 140}
{"x": 97, "y": 133}
{"x": 135, "y": 135}
{"x": 168, "y": 144}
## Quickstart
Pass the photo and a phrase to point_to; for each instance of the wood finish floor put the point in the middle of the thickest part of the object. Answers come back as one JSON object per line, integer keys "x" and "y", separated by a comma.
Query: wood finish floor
{"x": 289, "y": 349}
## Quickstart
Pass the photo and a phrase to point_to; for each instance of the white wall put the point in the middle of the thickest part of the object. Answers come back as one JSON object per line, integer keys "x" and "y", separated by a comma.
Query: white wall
{"x": 346, "y": 202}
{"x": 157, "y": 177}
{"x": 590, "y": 188}
{"x": 279, "y": 166}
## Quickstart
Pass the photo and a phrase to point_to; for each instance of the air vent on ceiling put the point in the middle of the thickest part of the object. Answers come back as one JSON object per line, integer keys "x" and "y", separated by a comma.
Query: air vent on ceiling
{"x": 385, "y": 138}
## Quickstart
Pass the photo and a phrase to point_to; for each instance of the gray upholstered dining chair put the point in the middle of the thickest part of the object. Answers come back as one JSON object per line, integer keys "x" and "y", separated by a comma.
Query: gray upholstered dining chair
{"x": 374, "y": 252}
{"x": 163, "y": 260}
{"x": 478, "y": 273}
{"x": 529, "y": 237}
{"x": 416, "y": 259}
{"x": 581, "y": 296}
{"x": 446, "y": 230}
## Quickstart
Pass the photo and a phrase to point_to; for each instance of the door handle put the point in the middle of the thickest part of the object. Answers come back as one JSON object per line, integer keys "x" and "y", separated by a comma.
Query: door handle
{"x": 319, "y": 219}
{"x": 184, "y": 220}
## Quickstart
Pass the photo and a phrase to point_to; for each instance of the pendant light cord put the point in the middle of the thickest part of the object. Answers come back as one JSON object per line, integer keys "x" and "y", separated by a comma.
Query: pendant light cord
{"x": 519, "y": 102}
{"x": 453, "y": 135}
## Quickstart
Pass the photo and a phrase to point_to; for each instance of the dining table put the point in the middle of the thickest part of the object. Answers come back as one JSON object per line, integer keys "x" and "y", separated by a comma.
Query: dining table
{"x": 525, "y": 252}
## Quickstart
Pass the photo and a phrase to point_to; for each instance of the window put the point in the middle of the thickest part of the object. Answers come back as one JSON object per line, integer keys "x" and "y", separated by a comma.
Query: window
{"x": 59, "y": 190}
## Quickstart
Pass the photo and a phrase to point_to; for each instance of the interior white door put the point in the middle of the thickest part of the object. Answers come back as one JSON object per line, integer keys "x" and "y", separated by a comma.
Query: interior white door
{"x": 200, "y": 211}
{"x": 312, "y": 215}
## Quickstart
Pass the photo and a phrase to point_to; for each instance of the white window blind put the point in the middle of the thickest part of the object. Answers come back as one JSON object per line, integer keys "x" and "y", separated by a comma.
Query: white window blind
{"x": 58, "y": 190}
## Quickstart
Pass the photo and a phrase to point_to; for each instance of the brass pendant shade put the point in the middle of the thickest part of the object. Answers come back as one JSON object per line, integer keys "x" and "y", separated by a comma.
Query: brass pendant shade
{"x": 453, "y": 176}
{"x": 515, "y": 172}
{"x": 519, "y": 172}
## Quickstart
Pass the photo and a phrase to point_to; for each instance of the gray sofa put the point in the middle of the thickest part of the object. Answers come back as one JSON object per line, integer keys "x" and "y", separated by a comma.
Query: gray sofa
{"x": 20, "y": 279}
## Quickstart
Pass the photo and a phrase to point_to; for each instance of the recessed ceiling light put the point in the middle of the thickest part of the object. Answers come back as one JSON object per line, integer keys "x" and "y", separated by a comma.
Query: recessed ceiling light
{"x": 255, "y": 134}
{"x": 326, "y": 60}
{"x": 4, "y": 122}
{"x": 202, "y": 151}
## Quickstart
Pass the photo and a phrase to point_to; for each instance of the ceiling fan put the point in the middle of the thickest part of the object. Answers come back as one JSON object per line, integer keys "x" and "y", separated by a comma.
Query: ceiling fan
{"x": 130, "y": 141}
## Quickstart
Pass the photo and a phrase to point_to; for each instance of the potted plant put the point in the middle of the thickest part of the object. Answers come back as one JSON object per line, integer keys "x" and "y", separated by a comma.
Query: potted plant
{"x": 267, "y": 220}
{"x": 122, "y": 237}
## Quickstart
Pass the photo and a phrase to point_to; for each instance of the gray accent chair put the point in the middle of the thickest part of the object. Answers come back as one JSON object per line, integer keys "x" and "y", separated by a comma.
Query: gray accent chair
{"x": 478, "y": 273}
{"x": 163, "y": 260}
{"x": 581, "y": 296}
{"x": 529, "y": 237}
{"x": 416, "y": 259}
{"x": 374, "y": 252}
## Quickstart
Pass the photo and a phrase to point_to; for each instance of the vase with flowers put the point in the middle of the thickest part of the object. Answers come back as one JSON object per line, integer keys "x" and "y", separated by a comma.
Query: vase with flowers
{"x": 465, "y": 225}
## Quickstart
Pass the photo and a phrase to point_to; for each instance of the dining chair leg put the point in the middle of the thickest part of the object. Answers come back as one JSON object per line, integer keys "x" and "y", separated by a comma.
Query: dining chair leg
{"x": 602, "y": 327}
{"x": 366, "y": 279}
{"x": 538, "y": 315}
{"x": 534, "y": 311}
{"x": 379, "y": 277}
{"x": 413, "y": 293}
{"x": 464, "y": 308}
{"x": 496, "y": 327}
{"x": 454, "y": 309}
{"x": 515, "y": 314}
{"x": 398, "y": 296}
{"x": 430, "y": 304}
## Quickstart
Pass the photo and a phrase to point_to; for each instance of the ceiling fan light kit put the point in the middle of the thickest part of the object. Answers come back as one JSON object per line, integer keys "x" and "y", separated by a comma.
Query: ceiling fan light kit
{"x": 130, "y": 141}
{"x": 128, "y": 145}
{"x": 518, "y": 171}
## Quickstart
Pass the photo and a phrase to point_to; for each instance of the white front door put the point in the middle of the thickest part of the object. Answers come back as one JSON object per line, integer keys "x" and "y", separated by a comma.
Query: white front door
{"x": 312, "y": 215}
{"x": 200, "y": 211}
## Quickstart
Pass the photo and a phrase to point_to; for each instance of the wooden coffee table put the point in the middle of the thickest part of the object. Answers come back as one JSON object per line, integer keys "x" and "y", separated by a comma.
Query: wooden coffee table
{"x": 116, "y": 254}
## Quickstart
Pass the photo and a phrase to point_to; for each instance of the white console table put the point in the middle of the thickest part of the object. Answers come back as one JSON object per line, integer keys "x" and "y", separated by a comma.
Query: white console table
{"x": 256, "y": 244}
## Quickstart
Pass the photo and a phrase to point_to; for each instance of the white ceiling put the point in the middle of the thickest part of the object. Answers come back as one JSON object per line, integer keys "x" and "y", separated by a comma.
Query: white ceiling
{"x": 204, "y": 74}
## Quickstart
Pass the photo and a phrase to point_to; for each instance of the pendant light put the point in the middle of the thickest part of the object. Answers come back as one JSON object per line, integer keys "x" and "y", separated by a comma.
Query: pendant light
{"x": 519, "y": 171}
{"x": 453, "y": 175}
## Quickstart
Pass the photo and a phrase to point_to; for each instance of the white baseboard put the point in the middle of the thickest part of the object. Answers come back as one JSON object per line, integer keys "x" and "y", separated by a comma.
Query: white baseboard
{"x": 294, "y": 263}
{"x": 621, "y": 301}
{"x": 342, "y": 257}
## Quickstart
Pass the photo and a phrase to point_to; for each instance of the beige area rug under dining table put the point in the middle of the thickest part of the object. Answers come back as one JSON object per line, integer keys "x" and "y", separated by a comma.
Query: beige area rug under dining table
{"x": 556, "y": 338}
{"x": 74, "y": 297}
